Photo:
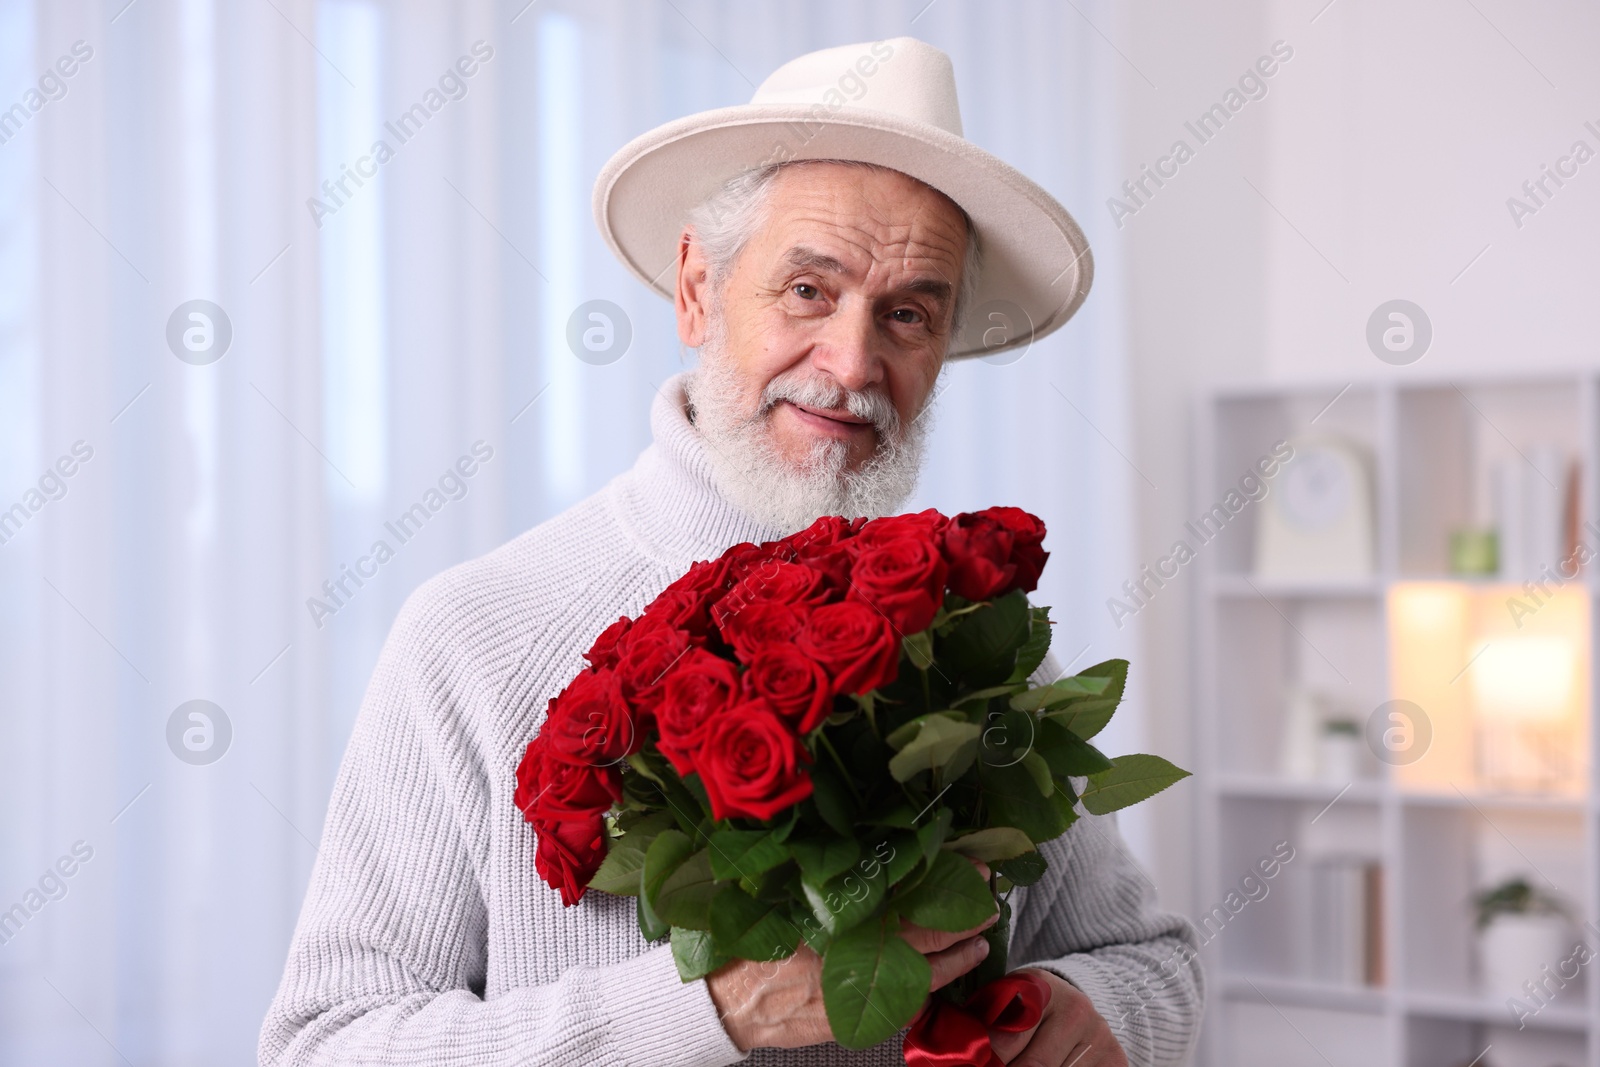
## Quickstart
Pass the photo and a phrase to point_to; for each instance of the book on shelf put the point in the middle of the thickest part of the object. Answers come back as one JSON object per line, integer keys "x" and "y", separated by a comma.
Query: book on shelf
{"x": 1344, "y": 938}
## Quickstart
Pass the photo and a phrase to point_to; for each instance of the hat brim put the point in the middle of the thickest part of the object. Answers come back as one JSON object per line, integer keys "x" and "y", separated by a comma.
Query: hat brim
{"x": 1036, "y": 263}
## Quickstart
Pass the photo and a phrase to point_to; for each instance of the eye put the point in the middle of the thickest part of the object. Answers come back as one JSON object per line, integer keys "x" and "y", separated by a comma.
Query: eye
{"x": 805, "y": 291}
{"x": 909, "y": 316}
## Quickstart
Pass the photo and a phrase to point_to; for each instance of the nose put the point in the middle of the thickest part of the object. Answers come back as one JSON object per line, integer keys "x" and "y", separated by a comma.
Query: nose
{"x": 847, "y": 347}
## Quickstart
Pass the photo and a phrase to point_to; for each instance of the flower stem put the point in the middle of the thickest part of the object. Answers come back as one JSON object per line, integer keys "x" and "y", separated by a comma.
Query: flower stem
{"x": 842, "y": 771}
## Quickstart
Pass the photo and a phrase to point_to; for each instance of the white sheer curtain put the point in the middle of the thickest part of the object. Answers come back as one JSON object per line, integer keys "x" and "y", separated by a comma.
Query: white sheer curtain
{"x": 220, "y": 543}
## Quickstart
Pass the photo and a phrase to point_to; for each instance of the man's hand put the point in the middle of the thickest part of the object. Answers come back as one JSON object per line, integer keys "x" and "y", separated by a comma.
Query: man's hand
{"x": 1070, "y": 1034}
{"x": 779, "y": 1004}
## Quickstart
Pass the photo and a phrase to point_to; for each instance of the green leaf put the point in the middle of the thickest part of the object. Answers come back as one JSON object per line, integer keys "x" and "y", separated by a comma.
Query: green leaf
{"x": 685, "y": 806}
{"x": 666, "y": 853}
{"x": 904, "y": 853}
{"x": 1131, "y": 779}
{"x": 1033, "y": 650}
{"x": 820, "y": 858}
{"x": 744, "y": 853}
{"x": 752, "y": 929}
{"x": 651, "y": 927}
{"x": 873, "y": 983}
{"x": 811, "y": 931}
{"x": 620, "y": 873}
{"x": 1025, "y": 869}
{"x": 992, "y": 845}
{"x": 907, "y": 732}
{"x": 1059, "y": 692}
{"x": 1066, "y": 752}
{"x": 1116, "y": 670}
{"x": 988, "y": 694}
{"x": 919, "y": 649}
{"x": 981, "y": 648}
{"x": 1065, "y": 802}
{"x": 1085, "y": 718}
{"x": 640, "y": 762}
{"x": 953, "y": 896}
{"x": 1008, "y": 736}
{"x": 684, "y": 898}
{"x": 901, "y": 816}
{"x": 938, "y": 742}
{"x": 693, "y": 952}
{"x": 831, "y": 795}
{"x": 846, "y": 899}
{"x": 1035, "y": 765}
{"x": 933, "y": 833}
{"x": 1012, "y": 795}
{"x": 776, "y": 884}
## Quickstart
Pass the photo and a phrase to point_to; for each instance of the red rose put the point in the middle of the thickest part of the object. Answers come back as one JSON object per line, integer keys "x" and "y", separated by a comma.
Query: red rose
{"x": 550, "y": 789}
{"x": 743, "y": 558}
{"x": 708, "y": 578}
{"x": 828, "y": 546}
{"x": 569, "y": 852}
{"x": 827, "y": 531}
{"x": 651, "y": 647}
{"x": 793, "y": 683}
{"x": 766, "y": 622}
{"x": 924, "y": 525}
{"x": 751, "y": 763}
{"x": 1027, "y": 551}
{"x": 854, "y": 644}
{"x": 904, "y": 579}
{"x": 603, "y": 653}
{"x": 681, "y": 609}
{"x": 589, "y": 721}
{"x": 773, "y": 580}
{"x": 979, "y": 551}
{"x": 697, "y": 688}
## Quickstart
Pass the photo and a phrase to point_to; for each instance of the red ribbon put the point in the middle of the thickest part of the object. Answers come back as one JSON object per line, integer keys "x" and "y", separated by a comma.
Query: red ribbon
{"x": 945, "y": 1035}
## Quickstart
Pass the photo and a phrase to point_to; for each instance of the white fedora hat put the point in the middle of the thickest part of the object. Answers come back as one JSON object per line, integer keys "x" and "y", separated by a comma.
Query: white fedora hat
{"x": 890, "y": 103}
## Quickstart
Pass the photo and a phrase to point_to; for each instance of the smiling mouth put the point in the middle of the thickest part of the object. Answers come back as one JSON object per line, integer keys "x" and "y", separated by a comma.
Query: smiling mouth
{"x": 829, "y": 421}
{"x": 837, "y": 424}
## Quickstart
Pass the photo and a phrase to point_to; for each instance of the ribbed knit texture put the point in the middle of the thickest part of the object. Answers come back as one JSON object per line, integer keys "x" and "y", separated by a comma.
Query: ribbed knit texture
{"x": 427, "y": 938}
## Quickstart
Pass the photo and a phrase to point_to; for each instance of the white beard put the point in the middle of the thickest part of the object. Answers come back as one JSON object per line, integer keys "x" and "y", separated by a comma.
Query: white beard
{"x": 789, "y": 496}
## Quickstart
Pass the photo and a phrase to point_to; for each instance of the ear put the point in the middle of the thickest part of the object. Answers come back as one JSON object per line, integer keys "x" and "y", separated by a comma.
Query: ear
{"x": 693, "y": 290}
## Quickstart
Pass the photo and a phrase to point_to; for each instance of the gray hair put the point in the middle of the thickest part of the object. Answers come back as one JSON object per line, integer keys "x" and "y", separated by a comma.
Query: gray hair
{"x": 727, "y": 219}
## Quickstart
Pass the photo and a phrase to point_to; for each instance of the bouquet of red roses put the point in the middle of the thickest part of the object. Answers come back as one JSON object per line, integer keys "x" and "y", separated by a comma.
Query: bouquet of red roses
{"x": 813, "y": 738}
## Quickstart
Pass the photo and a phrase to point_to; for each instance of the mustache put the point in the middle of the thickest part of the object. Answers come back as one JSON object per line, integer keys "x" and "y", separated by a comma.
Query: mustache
{"x": 818, "y": 391}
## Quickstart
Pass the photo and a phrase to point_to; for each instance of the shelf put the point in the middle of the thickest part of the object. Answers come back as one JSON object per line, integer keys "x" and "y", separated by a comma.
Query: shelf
{"x": 1276, "y": 657}
{"x": 1270, "y": 787}
{"x": 1498, "y": 801}
{"x": 1251, "y": 585}
{"x": 1304, "y": 993}
{"x": 1471, "y": 1008}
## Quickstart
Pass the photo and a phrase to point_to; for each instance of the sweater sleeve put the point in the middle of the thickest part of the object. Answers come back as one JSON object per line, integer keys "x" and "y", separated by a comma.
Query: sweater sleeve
{"x": 388, "y": 960}
{"x": 1092, "y": 920}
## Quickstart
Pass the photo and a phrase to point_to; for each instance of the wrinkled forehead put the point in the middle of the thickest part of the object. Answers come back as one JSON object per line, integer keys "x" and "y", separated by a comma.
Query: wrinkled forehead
{"x": 869, "y": 223}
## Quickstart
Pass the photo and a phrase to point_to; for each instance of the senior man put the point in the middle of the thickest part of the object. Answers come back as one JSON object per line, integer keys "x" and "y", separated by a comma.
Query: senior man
{"x": 826, "y": 239}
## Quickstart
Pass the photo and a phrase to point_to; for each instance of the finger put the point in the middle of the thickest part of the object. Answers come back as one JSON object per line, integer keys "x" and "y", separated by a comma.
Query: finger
{"x": 957, "y": 960}
{"x": 925, "y": 940}
{"x": 1007, "y": 1045}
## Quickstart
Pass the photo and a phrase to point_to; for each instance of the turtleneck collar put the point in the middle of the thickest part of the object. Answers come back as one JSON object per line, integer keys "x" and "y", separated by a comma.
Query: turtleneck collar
{"x": 669, "y": 501}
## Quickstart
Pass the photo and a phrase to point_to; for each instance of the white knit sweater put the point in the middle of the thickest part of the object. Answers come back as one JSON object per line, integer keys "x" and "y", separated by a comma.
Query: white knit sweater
{"x": 426, "y": 937}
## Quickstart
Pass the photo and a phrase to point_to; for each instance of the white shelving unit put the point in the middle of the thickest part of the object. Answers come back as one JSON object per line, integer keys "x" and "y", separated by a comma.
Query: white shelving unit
{"x": 1436, "y": 830}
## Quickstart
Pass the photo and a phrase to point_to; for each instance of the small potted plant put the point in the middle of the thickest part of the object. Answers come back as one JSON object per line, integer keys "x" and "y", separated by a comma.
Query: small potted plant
{"x": 1339, "y": 750}
{"x": 1520, "y": 930}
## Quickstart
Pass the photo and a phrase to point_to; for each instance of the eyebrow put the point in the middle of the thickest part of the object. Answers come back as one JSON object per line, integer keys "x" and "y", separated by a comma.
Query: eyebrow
{"x": 811, "y": 259}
